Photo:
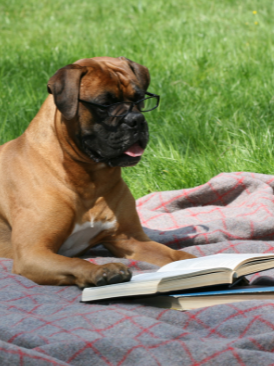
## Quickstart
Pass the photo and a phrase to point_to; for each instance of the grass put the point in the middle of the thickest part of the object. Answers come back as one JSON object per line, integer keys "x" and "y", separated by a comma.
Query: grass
{"x": 211, "y": 62}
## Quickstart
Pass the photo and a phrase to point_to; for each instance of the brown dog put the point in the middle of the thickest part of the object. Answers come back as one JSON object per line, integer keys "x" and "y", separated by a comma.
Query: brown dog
{"x": 61, "y": 188}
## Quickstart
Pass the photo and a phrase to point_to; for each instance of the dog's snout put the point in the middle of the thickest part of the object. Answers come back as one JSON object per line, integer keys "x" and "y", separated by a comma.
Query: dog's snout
{"x": 135, "y": 120}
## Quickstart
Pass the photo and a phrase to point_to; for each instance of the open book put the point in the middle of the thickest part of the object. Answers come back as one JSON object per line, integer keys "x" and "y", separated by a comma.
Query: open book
{"x": 181, "y": 275}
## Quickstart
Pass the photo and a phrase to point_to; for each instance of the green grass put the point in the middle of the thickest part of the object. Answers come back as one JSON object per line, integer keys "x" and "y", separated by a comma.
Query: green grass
{"x": 212, "y": 62}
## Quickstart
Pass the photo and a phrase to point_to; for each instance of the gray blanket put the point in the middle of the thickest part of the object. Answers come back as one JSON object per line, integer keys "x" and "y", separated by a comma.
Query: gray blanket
{"x": 232, "y": 213}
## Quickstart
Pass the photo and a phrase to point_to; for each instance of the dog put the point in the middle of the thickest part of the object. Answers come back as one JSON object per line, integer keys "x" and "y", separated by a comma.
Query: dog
{"x": 61, "y": 187}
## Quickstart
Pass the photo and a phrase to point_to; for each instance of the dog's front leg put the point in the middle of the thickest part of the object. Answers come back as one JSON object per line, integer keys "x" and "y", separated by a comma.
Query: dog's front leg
{"x": 35, "y": 257}
{"x": 138, "y": 246}
{"x": 47, "y": 268}
{"x": 130, "y": 240}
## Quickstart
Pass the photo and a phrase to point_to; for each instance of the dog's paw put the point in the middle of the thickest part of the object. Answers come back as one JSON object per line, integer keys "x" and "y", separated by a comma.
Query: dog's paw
{"x": 111, "y": 273}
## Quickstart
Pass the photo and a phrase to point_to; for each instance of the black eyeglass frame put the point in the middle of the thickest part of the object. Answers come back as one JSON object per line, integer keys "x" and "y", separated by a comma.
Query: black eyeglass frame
{"x": 132, "y": 104}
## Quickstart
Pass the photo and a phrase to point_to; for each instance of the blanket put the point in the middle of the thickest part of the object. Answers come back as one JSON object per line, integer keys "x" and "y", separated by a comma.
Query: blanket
{"x": 232, "y": 213}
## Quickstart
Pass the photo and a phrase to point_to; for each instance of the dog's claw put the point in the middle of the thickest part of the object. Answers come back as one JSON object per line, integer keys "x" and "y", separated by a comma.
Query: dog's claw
{"x": 112, "y": 273}
{"x": 115, "y": 279}
{"x": 101, "y": 282}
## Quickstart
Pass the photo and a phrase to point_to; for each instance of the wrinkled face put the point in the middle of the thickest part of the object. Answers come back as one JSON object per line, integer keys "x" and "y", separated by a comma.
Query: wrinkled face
{"x": 109, "y": 135}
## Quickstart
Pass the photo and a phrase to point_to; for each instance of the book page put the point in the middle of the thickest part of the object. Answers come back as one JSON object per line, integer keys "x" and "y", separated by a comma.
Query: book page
{"x": 159, "y": 275}
{"x": 229, "y": 261}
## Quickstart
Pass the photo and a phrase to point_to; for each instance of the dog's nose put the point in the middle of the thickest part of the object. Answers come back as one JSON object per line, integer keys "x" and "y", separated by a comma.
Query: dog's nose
{"x": 134, "y": 119}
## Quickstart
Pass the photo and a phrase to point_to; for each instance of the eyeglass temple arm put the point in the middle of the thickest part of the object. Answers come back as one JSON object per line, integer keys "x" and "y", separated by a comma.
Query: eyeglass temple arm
{"x": 151, "y": 94}
{"x": 107, "y": 106}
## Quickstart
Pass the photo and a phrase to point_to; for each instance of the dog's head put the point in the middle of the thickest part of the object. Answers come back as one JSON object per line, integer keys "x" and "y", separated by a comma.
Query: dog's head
{"x": 101, "y": 95}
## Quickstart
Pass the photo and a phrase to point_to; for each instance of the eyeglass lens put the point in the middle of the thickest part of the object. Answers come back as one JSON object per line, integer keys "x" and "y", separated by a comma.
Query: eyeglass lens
{"x": 146, "y": 105}
{"x": 149, "y": 104}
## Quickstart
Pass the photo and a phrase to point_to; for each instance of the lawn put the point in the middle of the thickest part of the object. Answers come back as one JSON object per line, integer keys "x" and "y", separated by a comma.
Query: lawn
{"x": 211, "y": 61}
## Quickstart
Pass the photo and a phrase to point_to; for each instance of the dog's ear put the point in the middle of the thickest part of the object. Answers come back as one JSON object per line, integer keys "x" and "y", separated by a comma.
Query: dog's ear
{"x": 141, "y": 73}
{"x": 65, "y": 85}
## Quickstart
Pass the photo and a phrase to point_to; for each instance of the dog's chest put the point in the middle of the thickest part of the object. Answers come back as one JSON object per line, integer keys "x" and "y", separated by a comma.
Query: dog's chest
{"x": 82, "y": 234}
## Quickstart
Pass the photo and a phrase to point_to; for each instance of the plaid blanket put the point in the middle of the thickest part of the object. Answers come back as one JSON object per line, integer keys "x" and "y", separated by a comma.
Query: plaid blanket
{"x": 232, "y": 213}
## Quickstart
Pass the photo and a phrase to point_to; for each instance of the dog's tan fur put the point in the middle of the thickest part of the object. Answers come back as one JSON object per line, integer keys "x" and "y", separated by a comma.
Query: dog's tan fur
{"x": 48, "y": 185}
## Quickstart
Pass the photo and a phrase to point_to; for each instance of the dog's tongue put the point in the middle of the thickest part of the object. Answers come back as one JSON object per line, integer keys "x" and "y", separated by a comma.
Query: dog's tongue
{"x": 134, "y": 150}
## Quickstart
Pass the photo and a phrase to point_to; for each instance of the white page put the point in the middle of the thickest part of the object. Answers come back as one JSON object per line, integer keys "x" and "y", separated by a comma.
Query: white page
{"x": 159, "y": 275}
{"x": 211, "y": 261}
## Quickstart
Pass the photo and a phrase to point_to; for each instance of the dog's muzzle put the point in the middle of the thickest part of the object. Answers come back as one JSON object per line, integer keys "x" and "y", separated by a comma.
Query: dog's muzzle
{"x": 118, "y": 142}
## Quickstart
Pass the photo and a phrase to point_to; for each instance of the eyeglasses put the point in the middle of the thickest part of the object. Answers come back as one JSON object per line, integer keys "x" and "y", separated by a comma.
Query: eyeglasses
{"x": 118, "y": 109}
